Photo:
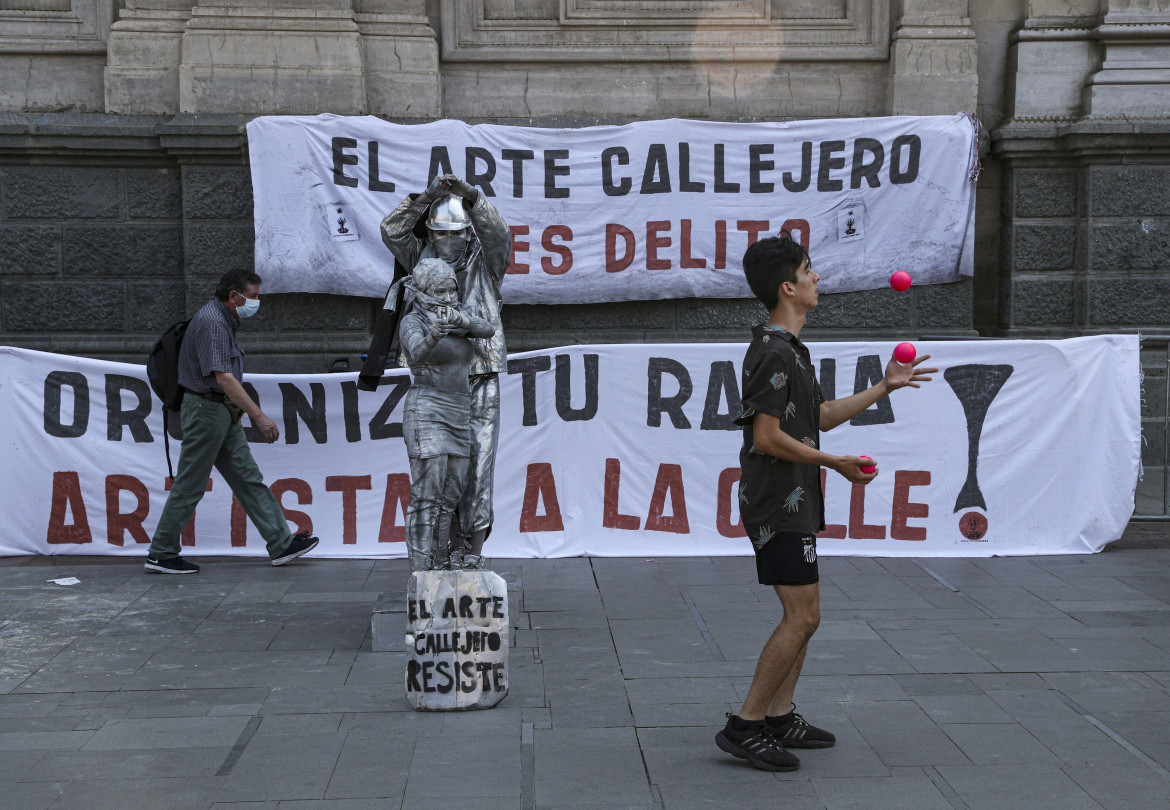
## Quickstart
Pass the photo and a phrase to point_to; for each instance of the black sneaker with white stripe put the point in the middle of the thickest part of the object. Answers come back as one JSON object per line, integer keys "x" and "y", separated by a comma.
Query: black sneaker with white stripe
{"x": 171, "y": 565}
{"x": 793, "y": 731}
{"x": 757, "y": 745}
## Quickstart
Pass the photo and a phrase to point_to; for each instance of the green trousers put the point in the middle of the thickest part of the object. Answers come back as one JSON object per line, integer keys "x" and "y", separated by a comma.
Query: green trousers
{"x": 212, "y": 439}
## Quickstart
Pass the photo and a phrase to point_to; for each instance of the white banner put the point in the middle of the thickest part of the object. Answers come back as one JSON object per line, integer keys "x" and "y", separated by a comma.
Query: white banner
{"x": 1016, "y": 447}
{"x": 654, "y": 209}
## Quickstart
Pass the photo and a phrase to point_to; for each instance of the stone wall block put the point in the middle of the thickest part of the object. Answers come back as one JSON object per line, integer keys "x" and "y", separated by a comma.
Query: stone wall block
{"x": 1045, "y": 192}
{"x": 1044, "y": 246}
{"x": 167, "y": 305}
{"x": 52, "y": 192}
{"x": 1007, "y": 242}
{"x": 1153, "y": 448}
{"x": 1130, "y": 191}
{"x": 1004, "y": 295}
{"x": 302, "y": 312}
{"x": 1042, "y": 302}
{"x": 30, "y": 250}
{"x": 1129, "y": 302}
{"x": 213, "y": 249}
{"x": 622, "y": 315}
{"x": 720, "y": 313}
{"x": 40, "y": 81}
{"x": 1153, "y": 358}
{"x": 1128, "y": 246}
{"x": 128, "y": 251}
{"x": 214, "y": 192}
{"x": 1154, "y": 394}
{"x": 647, "y": 90}
{"x": 153, "y": 194}
{"x": 1080, "y": 301}
{"x": 864, "y": 309}
{"x": 529, "y": 316}
{"x": 944, "y": 306}
{"x": 53, "y": 306}
{"x": 1007, "y": 194}
{"x": 199, "y": 291}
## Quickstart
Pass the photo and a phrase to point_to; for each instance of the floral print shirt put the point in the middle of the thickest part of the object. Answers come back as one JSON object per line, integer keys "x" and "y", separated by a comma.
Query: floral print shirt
{"x": 777, "y": 495}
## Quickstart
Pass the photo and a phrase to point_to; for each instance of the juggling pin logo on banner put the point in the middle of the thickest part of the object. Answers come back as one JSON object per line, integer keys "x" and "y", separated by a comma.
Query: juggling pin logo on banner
{"x": 976, "y": 386}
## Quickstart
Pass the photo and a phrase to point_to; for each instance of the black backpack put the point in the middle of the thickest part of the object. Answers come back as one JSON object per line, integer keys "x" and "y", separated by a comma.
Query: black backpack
{"x": 162, "y": 371}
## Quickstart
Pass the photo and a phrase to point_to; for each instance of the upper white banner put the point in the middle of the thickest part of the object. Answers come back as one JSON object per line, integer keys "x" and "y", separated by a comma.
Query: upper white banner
{"x": 1016, "y": 447}
{"x": 653, "y": 209}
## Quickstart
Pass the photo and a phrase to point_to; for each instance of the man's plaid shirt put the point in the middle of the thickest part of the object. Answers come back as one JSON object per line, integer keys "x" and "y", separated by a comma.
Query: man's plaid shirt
{"x": 210, "y": 345}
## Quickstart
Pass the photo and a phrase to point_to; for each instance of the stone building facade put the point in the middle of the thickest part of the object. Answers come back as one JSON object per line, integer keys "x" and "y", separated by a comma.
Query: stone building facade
{"x": 125, "y": 190}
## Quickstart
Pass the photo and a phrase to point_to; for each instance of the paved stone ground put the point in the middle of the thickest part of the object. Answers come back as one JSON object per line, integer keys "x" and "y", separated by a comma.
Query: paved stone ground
{"x": 1039, "y": 682}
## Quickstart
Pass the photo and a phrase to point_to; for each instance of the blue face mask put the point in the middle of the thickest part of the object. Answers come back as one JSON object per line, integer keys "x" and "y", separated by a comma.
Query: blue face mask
{"x": 248, "y": 308}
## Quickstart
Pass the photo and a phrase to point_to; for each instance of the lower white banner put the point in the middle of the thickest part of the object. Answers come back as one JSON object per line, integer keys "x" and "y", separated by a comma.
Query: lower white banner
{"x": 1016, "y": 447}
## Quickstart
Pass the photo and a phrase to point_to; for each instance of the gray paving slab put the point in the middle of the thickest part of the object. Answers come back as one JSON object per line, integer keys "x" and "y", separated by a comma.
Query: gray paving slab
{"x": 666, "y": 715}
{"x": 1118, "y": 692}
{"x": 948, "y": 709}
{"x": 915, "y": 792}
{"x": 848, "y": 688}
{"x": 254, "y": 687}
{"x": 1063, "y": 730}
{"x": 33, "y": 795}
{"x": 372, "y": 767}
{"x": 998, "y": 744}
{"x": 179, "y": 793}
{"x": 338, "y": 804}
{"x": 15, "y": 764}
{"x": 283, "y": 766}
{"x": 568, "y": 763}
{"x": 167, "y": 732}
{"x": 1123, "y": 787}
{"x": 935, "y": 650}
{"x": 676, "y": 640}
{"x": 126, "y": 764}
{"x": 1145, "y": 731}
{"x": 44, "y": 740}
{"x": 1036, "y": 787}
{"x": 443, "y": 772}
{"x": 903, "y": 735}
{"x": 666, "y": 690}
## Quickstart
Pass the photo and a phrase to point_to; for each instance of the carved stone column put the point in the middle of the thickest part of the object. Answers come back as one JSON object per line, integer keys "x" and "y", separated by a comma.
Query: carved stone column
{"x": 401, "y": 58}
{"x": 934, "y": 59}
{"x": 1050, "y": 59}
{"x": 1134, "y": 80}
{"x": 145, "y": 48}
{"x": 272, "y": 56}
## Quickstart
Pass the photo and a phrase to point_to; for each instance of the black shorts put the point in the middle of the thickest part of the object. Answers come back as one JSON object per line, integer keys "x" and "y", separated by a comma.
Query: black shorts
{"x": 789, "y": 558}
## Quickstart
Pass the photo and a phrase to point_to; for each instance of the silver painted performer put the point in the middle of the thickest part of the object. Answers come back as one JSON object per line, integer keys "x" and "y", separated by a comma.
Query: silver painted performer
{"x": 436, "y": 424}
{"x": 463, "y": 229}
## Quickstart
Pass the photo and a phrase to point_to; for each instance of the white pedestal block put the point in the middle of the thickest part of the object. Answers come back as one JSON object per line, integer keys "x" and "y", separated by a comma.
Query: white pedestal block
{"x": 456, "y": 640}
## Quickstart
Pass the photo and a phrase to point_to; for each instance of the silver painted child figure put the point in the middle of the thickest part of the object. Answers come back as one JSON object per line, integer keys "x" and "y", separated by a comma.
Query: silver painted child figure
{"x": 434, "y": 335}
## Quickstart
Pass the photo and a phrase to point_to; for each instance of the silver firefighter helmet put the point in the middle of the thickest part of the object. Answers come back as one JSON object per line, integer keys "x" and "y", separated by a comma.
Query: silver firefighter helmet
{"x": 447, "y": 214}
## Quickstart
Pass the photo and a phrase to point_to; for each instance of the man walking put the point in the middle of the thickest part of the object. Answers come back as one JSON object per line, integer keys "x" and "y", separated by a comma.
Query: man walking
{"x": 780, "y": 496}
{"x": 211, "y": 369}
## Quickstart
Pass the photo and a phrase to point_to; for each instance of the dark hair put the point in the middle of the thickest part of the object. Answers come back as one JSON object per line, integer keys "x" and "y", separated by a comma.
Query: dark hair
{"x": 770, "y": 262}
{"x": 235, "y": 281}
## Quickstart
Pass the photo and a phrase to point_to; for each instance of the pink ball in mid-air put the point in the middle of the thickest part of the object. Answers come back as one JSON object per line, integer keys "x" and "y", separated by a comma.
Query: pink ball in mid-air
{"x": 905, "y": 353}
{"x": 867, "y": 468}
{"x": 900, "y": 280}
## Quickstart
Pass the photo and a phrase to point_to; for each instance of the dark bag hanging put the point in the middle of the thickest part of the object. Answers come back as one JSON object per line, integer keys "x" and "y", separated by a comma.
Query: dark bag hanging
{"x": 162, "y": 371}
{"x": 383, "y": 349}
